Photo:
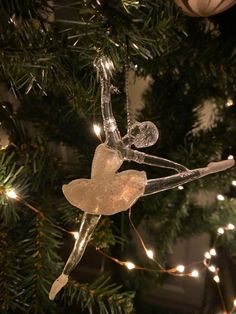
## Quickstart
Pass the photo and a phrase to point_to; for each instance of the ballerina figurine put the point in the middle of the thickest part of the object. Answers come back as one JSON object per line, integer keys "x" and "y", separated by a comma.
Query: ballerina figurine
{"x": 109, "y": 192}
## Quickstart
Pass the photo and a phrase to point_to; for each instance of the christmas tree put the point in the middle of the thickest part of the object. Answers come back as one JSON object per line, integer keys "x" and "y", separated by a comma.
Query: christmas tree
{"x": 49, "y": 104}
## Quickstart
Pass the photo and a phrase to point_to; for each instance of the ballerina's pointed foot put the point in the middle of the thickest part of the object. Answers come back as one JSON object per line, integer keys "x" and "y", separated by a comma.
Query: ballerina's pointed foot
{"x": 58, "y": 284}
{"x": 220, "y": 165}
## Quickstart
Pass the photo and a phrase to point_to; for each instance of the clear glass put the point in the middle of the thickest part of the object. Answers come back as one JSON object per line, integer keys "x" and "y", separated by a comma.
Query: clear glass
{"x": 87, "y": 226}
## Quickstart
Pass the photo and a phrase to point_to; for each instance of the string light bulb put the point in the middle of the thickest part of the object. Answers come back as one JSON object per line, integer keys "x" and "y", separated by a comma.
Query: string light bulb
{"x": 216, "y": 278}
{"x": 213, "y": 252}
{"x": 108, "y": 64}
{"x": 230, "y": 157}
{"x": 229, "y": 102}
{"x": 234, "y": 182}
{"x": 180, "y": 187}
{"x": 135, "y": 46}
{"x": 3, "y": 147}
{"x": 150, "y": 254}
{"x": 129, "y": 265}
{"x": 230, "y": 226}
{"x": 11, "y": 194}
{"x": 207, "y": 255}
{"x": 220, "y": 231}
{"x": 97, "y": 131}
{"x": 180, "y": 268}
{"x": 220, "y": 197}
{"x": 234, "y": 302}
{"x": 76, "y": 235}
{"x": 212, "y": 268}
{"x": 194, "y": 273}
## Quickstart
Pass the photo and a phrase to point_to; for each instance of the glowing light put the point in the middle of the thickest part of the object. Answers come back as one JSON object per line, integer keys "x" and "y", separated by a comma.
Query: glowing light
{"x": 230, "y": 226}
{"x": 213, "y": 252}
{"x": 220, "y": 231}
{"x": 97, "y": 129}
{"x": 194, "y": 273}
{"x": 212, "y": 268}
{"x": 234, "y": 182}
{"x": 76, "y": 235}
{"x": 150, "y": 254}
{"x": 220, "y": 197}
{"x": 108, "y": 64}
{"x": 2, "y": 147}
{"x": 207, "y": 255}
{"x": 11, "y": 194}
{"x": 180, "y": 187}
{"x": 229, "y": 102}
{"x": 216, "y": 278}
{"x": 129, "y": 265}
{"x": 230, "y": 157}
{"x": 135, "y": 46}
{"x": 235, "y": 302}
{"x": 180, "y": 268}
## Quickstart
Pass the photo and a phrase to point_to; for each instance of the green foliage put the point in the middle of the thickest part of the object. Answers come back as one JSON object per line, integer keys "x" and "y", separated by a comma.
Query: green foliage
{"x": 39, "y": 265}
{"x": 10, "y": 274}
{"x": 104, "y": 296}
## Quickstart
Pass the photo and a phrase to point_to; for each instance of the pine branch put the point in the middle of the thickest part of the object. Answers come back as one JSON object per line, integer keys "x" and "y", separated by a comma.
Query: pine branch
{"x": 100, "y": 295}
{"x": 10, "y": 274}
{"x": 39, "y": 264}
{"x": 34, "y": 56}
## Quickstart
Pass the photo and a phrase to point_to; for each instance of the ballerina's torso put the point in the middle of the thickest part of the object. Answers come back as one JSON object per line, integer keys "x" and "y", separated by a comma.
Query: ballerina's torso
{"x": 107, "y": 192}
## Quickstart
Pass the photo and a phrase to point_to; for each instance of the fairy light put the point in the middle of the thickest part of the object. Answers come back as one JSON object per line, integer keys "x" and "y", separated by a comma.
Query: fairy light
{"x": 108, "y": 64}
{"x": 213, "y": 252}
{"x": 234, "y": 182}
{"x": 135, "y": 46}
{"x": 11, "y": 194}
{"x": 75, "y": 234}
{"x": 220, "y": 231}
{"x": 207, "y": 255}
{"x": 194, "y": 273}
{"x": 180, "y": 268}
{"x": 234, "y": 302}
{"x": 230, "y": 157}
{"x": 212, "y": 268}
{"x": 97, "y": 131}
{"x": 180, "y": 187}
{"x": 229, "y": 103}
{"x": 216, "y": 278}
{"x": 3, "y": 147}
{"x": 220, "y": 197}
{"x": 150, "y": 254}
{"x": 230, "y": 226}
{"x": 129, "y": 265}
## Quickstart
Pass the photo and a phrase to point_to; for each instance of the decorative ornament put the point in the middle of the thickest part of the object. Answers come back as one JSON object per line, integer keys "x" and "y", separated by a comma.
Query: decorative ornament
{"x": 109, "y": 192}
{"x": 203, "y": 8}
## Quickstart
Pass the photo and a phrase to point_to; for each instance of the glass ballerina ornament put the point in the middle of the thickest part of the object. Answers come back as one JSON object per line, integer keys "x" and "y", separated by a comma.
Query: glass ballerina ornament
{"x": 108, "y": 191}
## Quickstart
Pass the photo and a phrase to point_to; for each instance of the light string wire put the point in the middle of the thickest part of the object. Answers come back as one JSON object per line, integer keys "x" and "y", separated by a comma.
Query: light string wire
{"x": 175, "y": 271}
{"x": 205, "y": 262}
{"x": 215, "y": 270}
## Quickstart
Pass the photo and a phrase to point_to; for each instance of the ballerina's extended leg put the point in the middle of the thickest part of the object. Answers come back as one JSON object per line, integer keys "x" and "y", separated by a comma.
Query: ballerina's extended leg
{"x": 87, "y": 227}
{"x": 166, "y": 183}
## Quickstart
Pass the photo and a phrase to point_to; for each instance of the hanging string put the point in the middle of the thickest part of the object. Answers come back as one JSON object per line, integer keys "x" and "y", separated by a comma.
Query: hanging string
{"x": 129, "y": 112}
